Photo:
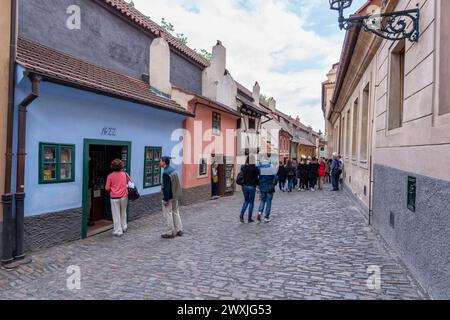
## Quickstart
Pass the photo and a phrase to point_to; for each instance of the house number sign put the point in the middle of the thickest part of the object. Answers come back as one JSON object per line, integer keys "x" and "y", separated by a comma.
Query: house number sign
{"x": 109, "y": 132}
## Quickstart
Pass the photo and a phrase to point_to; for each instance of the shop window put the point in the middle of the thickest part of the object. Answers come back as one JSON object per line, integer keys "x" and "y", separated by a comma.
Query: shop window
{"x": 203, "y": 167}
{"x": 56, "y": 163}
{"x": 216, "y": 124}
{"x": 152, "y": 169}
{"x": 397, "y": 86}
{"x": 444, "y": 56}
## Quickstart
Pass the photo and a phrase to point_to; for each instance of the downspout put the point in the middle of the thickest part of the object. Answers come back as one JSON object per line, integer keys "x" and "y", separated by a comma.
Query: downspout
{"x": 21, "y": 153}
{"x": 7, "y": 197}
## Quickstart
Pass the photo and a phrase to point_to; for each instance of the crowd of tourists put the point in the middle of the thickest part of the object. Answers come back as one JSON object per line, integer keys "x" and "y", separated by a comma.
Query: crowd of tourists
{"x": 308, "y": 174}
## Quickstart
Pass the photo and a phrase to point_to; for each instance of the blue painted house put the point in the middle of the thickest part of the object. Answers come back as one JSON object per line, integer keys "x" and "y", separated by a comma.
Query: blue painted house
{"x": 84, "y": 98}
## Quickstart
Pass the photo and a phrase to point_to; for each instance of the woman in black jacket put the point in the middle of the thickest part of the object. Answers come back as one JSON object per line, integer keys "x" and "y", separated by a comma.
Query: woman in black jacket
{"x": 303, "y": 174}
{"x": 251, "y": 181}
{"x": 282, "y": 176}
{"x": 313, "y": 173}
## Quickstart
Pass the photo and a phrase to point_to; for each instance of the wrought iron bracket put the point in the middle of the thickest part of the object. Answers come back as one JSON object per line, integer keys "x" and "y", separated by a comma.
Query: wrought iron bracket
{"x": 391, "y": 26}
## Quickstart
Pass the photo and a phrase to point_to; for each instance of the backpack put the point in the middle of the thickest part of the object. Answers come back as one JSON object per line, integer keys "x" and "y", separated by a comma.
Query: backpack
{"x": 240, "y": 180}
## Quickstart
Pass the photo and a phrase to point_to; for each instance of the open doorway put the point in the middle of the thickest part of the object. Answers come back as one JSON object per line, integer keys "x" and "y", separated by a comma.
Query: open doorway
{"x": 97, "y": 216}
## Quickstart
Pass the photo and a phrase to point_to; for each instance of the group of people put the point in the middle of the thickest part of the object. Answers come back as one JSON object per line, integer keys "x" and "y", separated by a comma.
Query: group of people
{"x": 118, "y": 185}
{"x": 310, "y": 173}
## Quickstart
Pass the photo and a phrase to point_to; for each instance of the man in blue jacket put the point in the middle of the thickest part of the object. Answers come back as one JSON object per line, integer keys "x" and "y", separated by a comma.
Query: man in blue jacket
{"x": 268, "y": 179}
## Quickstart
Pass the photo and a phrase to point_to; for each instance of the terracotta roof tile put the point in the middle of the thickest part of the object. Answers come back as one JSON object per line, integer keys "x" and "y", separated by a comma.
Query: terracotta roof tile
{"x": 62, "y": 67}
{"x": 138, "y": 17}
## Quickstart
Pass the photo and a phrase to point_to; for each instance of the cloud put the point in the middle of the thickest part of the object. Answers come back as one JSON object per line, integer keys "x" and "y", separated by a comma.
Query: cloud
{"x": 278, "y": 43}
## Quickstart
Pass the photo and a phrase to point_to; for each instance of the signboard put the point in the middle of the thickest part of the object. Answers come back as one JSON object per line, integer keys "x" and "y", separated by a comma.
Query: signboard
{"x": 412, "y": 191}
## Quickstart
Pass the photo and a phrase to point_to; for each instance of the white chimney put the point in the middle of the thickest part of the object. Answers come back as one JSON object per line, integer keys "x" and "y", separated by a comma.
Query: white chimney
{"x": 272, "y": 104}
{"x": 214, "y": 73}
{"x": 160, "y": 65}
{"x": 256, "y": 93}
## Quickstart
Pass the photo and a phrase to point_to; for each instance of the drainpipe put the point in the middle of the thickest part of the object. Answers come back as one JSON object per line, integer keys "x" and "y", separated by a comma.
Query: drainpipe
{"x": 21, "y": 153}
{"x": 7, "y": 197}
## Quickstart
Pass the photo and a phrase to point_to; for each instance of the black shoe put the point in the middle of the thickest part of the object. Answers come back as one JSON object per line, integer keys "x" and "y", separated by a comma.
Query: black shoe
{"x": 251, "y": 221}
{"x": 168, "y": 236}
{"x": 180, "y": 233}
{"x": 242, "y": 220}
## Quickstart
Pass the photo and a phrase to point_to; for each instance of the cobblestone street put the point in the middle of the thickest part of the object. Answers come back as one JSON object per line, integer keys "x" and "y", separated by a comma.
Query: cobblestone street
{"x": 317, "y": 247}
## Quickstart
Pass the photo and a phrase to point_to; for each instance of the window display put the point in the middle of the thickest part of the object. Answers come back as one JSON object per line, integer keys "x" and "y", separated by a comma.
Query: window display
{"x": 56, "y": 163}
{"x": 152, "y": 170}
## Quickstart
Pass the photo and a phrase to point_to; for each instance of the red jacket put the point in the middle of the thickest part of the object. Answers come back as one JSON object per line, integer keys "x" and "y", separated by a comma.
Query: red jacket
{"x": 322, "y": 169}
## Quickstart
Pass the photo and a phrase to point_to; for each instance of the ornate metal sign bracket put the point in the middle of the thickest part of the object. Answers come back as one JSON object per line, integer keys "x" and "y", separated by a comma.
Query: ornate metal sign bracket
{"x": 391, "y": 26}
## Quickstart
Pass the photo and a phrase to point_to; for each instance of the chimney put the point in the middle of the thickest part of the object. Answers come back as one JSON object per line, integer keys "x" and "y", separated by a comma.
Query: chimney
{"x": 297, "y": 119}
{"x": 160, "y": 65}
{"x": 214, "y": 73}
{"x": 256, "y": 93}
{"x": 272, "y": 104}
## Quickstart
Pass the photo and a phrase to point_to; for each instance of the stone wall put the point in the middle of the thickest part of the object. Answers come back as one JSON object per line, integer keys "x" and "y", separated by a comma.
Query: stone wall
{"x": 50, "y": 229}
{"x": 421, "y": 238}
{"x": 196, "y": 195}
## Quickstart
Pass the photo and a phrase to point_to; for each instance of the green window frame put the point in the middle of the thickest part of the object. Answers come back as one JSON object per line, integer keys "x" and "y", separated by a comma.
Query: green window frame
{"x": 56, "y": 163}
{"x": 152, "y": 170}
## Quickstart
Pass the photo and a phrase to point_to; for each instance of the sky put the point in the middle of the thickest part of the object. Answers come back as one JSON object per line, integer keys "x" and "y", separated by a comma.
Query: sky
{"x": 288, "y": 46}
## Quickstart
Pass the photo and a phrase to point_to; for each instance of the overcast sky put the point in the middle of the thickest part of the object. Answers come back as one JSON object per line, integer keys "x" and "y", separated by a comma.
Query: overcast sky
{"x": 288, "y": 46}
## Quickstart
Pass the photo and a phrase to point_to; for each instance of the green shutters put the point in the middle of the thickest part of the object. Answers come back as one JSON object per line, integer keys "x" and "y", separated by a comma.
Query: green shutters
{"x": 152, "y": 170}
{"x": 56, "y": 163}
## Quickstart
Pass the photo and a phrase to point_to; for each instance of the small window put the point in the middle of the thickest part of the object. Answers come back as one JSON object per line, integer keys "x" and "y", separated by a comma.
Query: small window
{"x": 355, "y": 129}
{"x": 397, "y": 86}
{"x": 251, "y": 124}
{"x": 216, "y": 124}
{"x": 203, "y": 167}
{"x": 57, "y": 163}
{"x": 152, "y": 169}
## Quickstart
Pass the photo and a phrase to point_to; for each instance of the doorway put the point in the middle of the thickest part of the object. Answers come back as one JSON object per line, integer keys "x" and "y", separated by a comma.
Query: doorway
{"x": 98, "y": 155}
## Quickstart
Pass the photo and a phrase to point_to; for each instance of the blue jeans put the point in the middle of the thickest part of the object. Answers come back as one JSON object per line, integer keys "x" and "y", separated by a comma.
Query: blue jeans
{"x": 290, "y": 183}
{"x": 215, "y": 189}
{"x": 266, "y": 202}
{"x": 335, "y": 180}
{"x": 249, "y": 201}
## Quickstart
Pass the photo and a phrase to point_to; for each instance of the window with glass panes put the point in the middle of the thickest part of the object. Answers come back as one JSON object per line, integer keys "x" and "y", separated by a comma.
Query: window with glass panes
{"x": 56, "y": 163}
{"x": 152, "y": 169}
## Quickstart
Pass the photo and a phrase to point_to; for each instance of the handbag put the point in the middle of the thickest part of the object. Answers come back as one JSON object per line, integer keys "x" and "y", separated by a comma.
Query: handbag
{"x": 133, "y": 193}
{"x": 240, "y": 179}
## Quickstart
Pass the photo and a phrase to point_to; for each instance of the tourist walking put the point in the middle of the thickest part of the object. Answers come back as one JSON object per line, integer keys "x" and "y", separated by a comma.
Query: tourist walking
{"x": 267, "y": 182}
{"x": 322, "y": 173}
{"x": 171, "y": 190}
{"x": 313, "y": 174}
{"x": 335, "y": 172}
{"x": 282, "y": 177}
{"x": 250, "y": 180}
{"x": 117, "y": 186}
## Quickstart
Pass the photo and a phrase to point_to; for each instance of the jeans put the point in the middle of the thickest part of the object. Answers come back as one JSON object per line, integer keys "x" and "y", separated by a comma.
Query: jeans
{"x": 266, "y": 202}
{"x": 249, "y": 201}
{"x": 119, "y": 214}
{"x": 290, "y": 184}
{"x": 335, "y": 180}
{"x": 215, "y": 189}
{"x": 282, "y": 184}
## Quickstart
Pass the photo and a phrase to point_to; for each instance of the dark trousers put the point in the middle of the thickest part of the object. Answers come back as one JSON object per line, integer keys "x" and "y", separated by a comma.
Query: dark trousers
{"x": 215, "y": 189}
{"x": 282, "y": 184}
{"x": 335, "y": 180}
{"x": 304, "y": 182}
{"x": 312, "y": 182}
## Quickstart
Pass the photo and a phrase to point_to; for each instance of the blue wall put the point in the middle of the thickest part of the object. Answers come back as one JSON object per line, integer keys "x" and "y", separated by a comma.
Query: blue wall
{"x": 68, "y": 116}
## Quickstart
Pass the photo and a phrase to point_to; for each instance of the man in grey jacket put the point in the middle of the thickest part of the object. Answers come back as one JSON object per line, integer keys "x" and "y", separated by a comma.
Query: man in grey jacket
{"x": 171, "y": 191}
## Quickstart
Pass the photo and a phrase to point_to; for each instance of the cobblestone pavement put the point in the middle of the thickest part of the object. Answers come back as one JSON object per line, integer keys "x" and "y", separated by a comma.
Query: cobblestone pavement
{"x": 317, "y": 247}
